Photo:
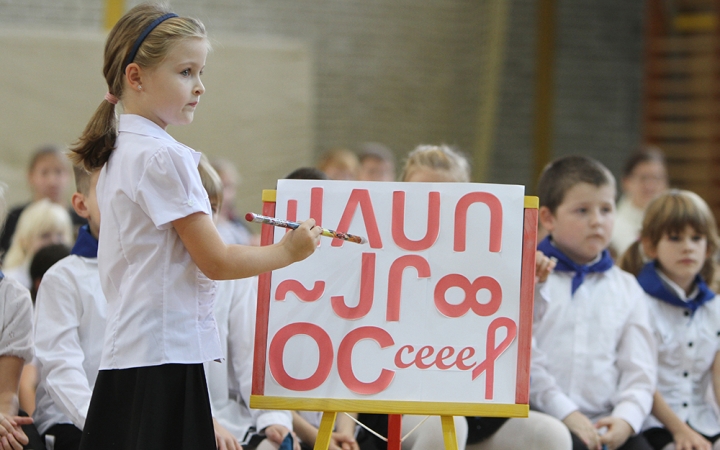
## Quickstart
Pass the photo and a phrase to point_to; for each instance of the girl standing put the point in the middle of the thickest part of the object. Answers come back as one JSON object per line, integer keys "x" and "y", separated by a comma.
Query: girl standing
{"x": 158, "y": 247}
{"x": 680, "y": 237}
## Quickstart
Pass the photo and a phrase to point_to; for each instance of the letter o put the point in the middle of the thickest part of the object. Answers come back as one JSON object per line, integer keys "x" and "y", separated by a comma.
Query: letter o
{"x": 277, "y": 350}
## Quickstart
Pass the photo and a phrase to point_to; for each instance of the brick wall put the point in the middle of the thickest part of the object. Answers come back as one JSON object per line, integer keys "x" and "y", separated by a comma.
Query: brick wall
{"x": 407, "y": 72}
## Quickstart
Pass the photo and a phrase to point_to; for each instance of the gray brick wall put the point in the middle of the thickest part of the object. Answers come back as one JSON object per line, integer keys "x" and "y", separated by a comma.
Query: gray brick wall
{"x": 406, "y": 72}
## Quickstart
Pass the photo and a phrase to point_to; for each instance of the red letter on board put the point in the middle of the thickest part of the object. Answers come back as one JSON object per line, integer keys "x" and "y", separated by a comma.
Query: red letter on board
{"x": 395, "y": 282}
{"x": 492, "y": 353}
{"x": 277, "y": 349}
{"x": 367, "y": 292}
{"x": 496, "y": 219}
{"x": 360, "y": 197}
{"x": 470, "y": 301}
{"x": 398, "y": 223}
{"x": 298, "y": 289}
{"x": 344, "y": 362}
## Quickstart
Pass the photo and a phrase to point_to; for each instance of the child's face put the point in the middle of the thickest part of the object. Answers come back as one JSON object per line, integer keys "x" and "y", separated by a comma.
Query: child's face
{"x": 376, "y": 169}
{"x": 49, "y": 178}
{"x": 681, "y": 256}
{"x": 582, "y": 224}
{"x": 647, "y": 180}
{"x": 47, "y": 238}
{"x": 172, "y": 90}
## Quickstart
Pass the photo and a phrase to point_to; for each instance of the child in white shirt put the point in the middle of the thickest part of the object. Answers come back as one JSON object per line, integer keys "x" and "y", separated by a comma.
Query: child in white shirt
{"x": 158, "y": 247}
{"x": 69, "y": 328}
{"x": 680, "y": 237}
{"x": 593, "y": 366}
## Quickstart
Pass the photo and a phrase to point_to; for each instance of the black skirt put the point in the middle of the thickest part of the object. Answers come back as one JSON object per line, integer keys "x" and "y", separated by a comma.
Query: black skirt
{"x": 157, "y": 407}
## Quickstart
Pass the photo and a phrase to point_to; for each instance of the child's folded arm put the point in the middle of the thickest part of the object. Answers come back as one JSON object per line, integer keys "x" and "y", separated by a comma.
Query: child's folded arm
{"x": 545, "y": 395}
{"x": 637, "y": 363}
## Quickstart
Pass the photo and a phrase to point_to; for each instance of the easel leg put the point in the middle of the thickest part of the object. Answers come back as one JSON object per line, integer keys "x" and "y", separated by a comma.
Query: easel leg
{"x": 448, "y": 427}
{"x": 325, "y": 431}
{"x": 394, "y": 432}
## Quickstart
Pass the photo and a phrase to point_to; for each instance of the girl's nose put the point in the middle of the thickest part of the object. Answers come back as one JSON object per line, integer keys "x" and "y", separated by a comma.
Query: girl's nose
{"x": 199, "y": 88}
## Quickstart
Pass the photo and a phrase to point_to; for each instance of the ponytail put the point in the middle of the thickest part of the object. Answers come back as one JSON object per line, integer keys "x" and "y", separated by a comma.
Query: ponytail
{"x": 632, "y": 260}
{"x": 93, "y": 148}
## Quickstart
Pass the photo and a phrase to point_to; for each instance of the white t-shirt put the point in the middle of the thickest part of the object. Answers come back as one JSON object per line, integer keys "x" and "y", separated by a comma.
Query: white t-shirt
{"x": 230, "y": 382}
{"x": 15, "y": 320}
{"x": 687, "y": 345}
{"x": 593, "y": 351}
{"x": 69, "y": 329}
{"x": 159, "y": 302}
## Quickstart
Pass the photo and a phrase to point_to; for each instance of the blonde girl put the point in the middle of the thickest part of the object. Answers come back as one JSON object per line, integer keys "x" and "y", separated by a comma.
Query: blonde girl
{"x": 40, "y": 224}
{"x": 674, "y": 263}
{"x": 158, "y": 248}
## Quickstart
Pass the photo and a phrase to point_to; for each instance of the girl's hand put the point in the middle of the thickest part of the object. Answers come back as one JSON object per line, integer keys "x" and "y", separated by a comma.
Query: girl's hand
{"x": 12, "y": 437}
{"x": 543, "y": 266}
{"x": 224, "y": 439}
{"x": 618, "y": 431}
{"x": 302, "y": 241}
{"x": 581, "y": 426}
{"x": 689, "y": 439}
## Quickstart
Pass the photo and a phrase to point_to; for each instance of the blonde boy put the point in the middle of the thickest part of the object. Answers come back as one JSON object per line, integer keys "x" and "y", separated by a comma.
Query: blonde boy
{"x": 69, "y": 328}
{"x": 593, "y": 362}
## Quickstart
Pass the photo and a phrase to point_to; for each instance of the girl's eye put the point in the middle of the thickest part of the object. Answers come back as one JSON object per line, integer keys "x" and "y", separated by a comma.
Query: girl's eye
{"x": 673, "y": 237}
{"x": 185, "y": 72}
{"x": 697, "y": 237}
{"x": 582, "y": 210}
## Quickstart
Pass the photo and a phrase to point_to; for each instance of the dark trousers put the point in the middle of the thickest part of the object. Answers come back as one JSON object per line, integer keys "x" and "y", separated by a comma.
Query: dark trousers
{"x": 65, "y": 436}
{"x": 36, "y": 442}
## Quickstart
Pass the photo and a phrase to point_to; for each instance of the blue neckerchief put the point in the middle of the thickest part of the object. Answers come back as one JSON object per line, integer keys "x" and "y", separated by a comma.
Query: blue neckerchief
{"x": 565, "y": 264}
{"x": 287, "y": 443}
{"x": 651, "y": 283}
{"x": 2, "y": 275}
{"x": 85, "y": 245}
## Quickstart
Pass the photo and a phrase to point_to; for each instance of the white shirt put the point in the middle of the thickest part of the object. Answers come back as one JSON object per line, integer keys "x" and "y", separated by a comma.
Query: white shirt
{"x": 628, "y": 223}
{"x": 15, "y": 320}
{"x": 20, "y": 273}
{"x": 230, "y": 382}
{"x": 159, "y": 302}
{"x": 594, "y": 351}
{"x": 687, "y": 345}
{"x": 69, "y": 329}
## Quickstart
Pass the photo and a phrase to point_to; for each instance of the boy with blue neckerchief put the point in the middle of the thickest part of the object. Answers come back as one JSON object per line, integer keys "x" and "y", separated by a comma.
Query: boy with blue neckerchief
{"x": 594, "y": 360}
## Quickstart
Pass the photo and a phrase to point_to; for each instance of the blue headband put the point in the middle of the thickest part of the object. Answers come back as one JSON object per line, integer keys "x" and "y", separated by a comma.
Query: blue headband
{"x": 143, "y": 35}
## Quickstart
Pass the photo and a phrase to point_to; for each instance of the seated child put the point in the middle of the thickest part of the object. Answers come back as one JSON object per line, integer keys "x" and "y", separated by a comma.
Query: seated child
{"x": 339, "y": 164}
{"x": 69, "y": 328}
{"x": 377, "y": 163}
{"x": 680, "y": 237}
{"x": 230, "y": 381}
{"x": 16, "y": 348}
{"x": 40, "y": 224}
{"x": 47, "y": 177}
{"x": 594, "y": 362}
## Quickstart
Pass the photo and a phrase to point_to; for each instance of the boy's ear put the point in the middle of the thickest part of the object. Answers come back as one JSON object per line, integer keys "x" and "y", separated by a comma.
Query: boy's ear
{"x": 546, "y": 218}
{"x": 78, "y": 204}
{"x": 648, "y": 248}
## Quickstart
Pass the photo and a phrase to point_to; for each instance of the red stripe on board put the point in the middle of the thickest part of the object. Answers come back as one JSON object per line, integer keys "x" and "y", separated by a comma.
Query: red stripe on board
{"x": 527, "y": 298}
{"x": 263, "y": 309}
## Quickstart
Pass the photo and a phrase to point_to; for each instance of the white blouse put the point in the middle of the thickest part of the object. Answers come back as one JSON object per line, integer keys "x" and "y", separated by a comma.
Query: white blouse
{"x": 594, "y": 351}
{"x": 16, "y": 320}
{"x": 159, "y": 302}
{"x": 687, "y": 346}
